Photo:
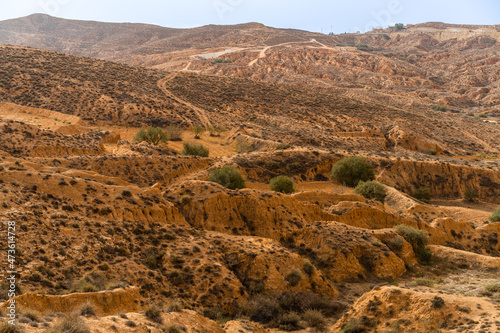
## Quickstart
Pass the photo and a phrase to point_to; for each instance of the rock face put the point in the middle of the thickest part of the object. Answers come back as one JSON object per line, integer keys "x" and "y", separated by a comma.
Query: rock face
{"x": 443, "y": 180}
{"x": 104, "y": 303}
{"x": 408, "y": 310}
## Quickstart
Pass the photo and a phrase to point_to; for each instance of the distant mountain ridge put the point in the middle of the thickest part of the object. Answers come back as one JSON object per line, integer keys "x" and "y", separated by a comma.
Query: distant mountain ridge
{"x": 104, "y": 40}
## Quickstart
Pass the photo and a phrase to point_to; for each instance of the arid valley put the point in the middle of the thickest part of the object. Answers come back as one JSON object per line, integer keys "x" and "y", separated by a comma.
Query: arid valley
{"x": 243, "y": 178}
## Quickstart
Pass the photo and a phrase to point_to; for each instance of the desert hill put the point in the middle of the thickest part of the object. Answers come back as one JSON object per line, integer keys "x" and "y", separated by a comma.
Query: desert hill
{"x": 425, "y": 65}
{"x": 101, "y": 40}
{"x": 103, "y": 91}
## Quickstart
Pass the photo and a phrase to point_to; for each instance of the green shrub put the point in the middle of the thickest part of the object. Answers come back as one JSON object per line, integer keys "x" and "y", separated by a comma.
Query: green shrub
{"x": 471, "y": 194}
{"x": 371, "y": 190}
{"x": 495, "y": 216}
{"x": 440, "y": 108}
{"x": 198, "y": 130}
{"x": 152, "y": 135}
{"x": 282, "y": 184}
{"x": 399, "y": 26}
{"x": 228, "y": 176}
{"x": 417, "y": 239}
{"x": 308, "y": 267}
{"x": 423, "y": 194}
{"x": 352, "y": 170}
{"x": 222, "y": 61}
{"x": 294, "y": 277}
{"x": 431, "y": 152}
{"x": 412, "y": 235}
{"x": 195, "y": 149}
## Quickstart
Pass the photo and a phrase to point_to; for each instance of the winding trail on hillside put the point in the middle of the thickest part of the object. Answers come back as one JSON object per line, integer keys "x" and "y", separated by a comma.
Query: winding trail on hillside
{"x": 201, "y": 113}
{"x": 262, "y": 53}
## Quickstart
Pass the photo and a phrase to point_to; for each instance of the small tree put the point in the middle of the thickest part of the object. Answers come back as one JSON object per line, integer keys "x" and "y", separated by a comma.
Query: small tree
{"x": 423, "y": 194}
{"x": 371, "y": 190}
{"x": 352, "y": 170}
{"x": 219, "y": 129}
{"x": 282, "y": 184}
{"x": 399, "y": 26}
{"x": 174, "y": 133}
{"x": 152, "y": 135}
{"x": 228, "y": 176}
{"x": 495, "y": 216}
{"x": 195, "y": 149}
{"x": 198, "y": 130}
{"x": 471, "y": 194}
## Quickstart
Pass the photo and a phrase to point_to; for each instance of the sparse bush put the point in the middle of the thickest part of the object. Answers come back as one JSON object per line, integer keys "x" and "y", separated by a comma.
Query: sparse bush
{"x": 423, "y": 194}
{"x": 471, "y": 194}
{"x": 130, "y": 323}
{"x": 87, "y": 310}
{"x": 244, "y": 147}
{"x": 261, "y": 309}
{"x": 352, "y": 170}
{"x": 289, "y": 321}
{"x": 216, "y": 130}
{"x": 153, "y": 258}
{"x": 70, "y": 324}
{"x": 294, "y": 277}
{"x": 265, "y": 309}
{"x": 198, "y": 130}
{"x": 173, "y": 329}
{"x": 174, "y": 305}
{"x": 353, "y": 326}
{"x": 493, "y": 287}
{"x": 152, "y": 135}
{"x": 195, "y": 149}
{"x": 424, "y": 281}
{"x": 153, "y": 312}
{"x": 126, "y": 193}
{"x": 283, "y": 146}
{"x": 371, "y": 190}
{"x": 174, "y": 133}
{"x": 228, "y": 176}
{"x": 282, "y": 184}
{"x": 495, "y": 216}
{"x": 8, "y": 328}
{"x": 396, "y": 244}
{"x": 314, "y": 318}
{"x": 308, "y": 267}
{"x": 437, "y": 302}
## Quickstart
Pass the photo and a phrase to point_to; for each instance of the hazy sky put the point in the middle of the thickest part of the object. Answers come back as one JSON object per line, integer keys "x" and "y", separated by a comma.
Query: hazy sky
{"x": 313, "y": 15}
